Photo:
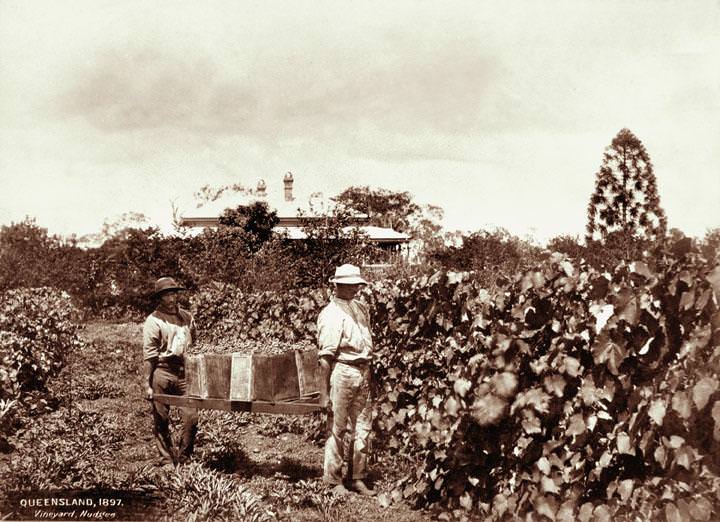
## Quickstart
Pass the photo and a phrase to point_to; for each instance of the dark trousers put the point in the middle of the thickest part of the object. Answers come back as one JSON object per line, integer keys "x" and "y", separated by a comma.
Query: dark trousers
{"x": 172, "y": 383}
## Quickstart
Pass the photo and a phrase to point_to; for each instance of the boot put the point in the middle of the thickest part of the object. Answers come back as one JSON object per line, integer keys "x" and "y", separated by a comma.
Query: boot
{"x": 359, "y": 487}
{"x": 339, "y": 490}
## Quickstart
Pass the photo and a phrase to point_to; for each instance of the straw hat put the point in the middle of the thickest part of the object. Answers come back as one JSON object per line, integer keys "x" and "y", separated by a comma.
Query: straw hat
{"x": 347, "y": 275}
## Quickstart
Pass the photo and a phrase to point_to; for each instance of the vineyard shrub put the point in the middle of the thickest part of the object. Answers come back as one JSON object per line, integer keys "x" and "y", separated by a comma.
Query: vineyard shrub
{"x": 222, "y": 312}
{"x": 492, "y": 256}
{"x": 565, "y": 394}
{"x": 37, "y": 330}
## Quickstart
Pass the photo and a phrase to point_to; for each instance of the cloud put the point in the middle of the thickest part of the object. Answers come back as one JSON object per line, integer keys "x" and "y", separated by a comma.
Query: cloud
{"x": 408, "y": 90}
{"x": 130, "y": 90}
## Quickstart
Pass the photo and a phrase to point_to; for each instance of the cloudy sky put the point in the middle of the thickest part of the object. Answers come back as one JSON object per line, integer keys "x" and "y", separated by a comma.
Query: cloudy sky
{"x": 496, "y": 111}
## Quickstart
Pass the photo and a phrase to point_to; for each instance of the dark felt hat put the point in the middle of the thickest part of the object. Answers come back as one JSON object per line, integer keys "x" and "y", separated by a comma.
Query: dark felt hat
{"x": 165, "y": 284}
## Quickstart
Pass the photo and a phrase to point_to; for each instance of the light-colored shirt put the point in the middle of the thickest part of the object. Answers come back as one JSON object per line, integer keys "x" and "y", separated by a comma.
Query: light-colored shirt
{"x": 343, "y": 331}
{"x": 167, "y": 336}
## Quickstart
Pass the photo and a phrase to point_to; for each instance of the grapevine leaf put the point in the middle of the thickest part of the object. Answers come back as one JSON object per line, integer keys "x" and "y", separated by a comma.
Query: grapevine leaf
{"x": 408, "y": 491}
{"x": 684, "y": 457}
{"x": 572, "y": 366}
{"x": 548, "y": 485}
{"x": 600, "y": 287}
{"x": 451, "y": 406}
{"x": 642, "y": 269}
{"x": 566, "y": 512}
{"x": 684, "y": 508}
{"x": 602, "y": 314}
{"x": 625, "y": 489}
{"x": 716, "y": 418}
{"x": 605, "y": 459}
{"x": 554, "y": 384}
{"x": 545, "y": 505}
{"x": 461, "y": 386}
{"x": 608, "y": 351}
{"x": 630, "y": 313}
{"x": 543, "y": 465}
{"x": 586, "y": 512}
{"x": 714, "y": 280}
{"x": 682, "y": 405}
{"x": 601, "y": 513}
{"x": 682, "y": 246}
{"x": 676, "y": 441}
{"x": 701, "y": 509}
{"x": 504, "y": 384}
{"x": 672, "y": 513}
{"x": 576, "y": 425}
{"x": 702, "y": 391}
{"x": 488, "y": 409}
{"x": 567, "y": 268}
{"x": 657, "y": 411}
{"x": 687, "y": 299}
{"x": 623, "y": 444}
{"x": 534, "y": 397}
{"x": 531, "y": 424}
{"x": 499, "y": 505}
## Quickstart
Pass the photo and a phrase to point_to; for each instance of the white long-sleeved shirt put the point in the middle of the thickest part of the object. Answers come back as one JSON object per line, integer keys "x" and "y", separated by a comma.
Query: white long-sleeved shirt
{"x": 343, "y": 331}
{"x": 167, "y": 336}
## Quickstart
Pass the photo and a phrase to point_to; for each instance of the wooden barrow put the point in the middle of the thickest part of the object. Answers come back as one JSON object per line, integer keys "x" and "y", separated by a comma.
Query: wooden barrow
{"x": 283, "y": 384}
{"x": 299, "y": 406}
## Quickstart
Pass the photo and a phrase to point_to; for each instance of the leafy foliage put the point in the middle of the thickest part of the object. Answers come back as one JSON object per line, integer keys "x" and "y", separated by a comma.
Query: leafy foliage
{"x": 331, "y": 240}
{"x": 711, "y": 244}
{"x": 549, "y": 395}
{"x": 224, "y": 314}
{"x": 37, "y": 329}
{"x": 385, "y": 208}
{"x": 492, "y": 255}
{"x": 256, "y": 220}
{"x": 30, "y": 257}
{"x": 397, "y": 210}
{"x": 566, "y": 392}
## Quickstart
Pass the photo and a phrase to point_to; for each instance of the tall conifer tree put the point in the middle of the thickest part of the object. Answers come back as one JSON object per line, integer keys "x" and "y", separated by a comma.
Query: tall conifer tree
{"x": 625, "y": 204}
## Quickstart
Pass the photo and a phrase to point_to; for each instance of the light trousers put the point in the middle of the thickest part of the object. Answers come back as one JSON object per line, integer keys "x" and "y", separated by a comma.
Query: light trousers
{"x": 350, "y": 398}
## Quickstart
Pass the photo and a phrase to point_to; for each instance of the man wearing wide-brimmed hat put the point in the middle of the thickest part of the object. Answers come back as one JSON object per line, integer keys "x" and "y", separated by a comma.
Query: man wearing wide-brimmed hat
{"x": 345, "y": 344}
{"x": 167, "y": 334}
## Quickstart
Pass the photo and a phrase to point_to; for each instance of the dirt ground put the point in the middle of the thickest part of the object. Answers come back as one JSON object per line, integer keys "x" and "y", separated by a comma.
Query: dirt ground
{"x": 274, "y": 458}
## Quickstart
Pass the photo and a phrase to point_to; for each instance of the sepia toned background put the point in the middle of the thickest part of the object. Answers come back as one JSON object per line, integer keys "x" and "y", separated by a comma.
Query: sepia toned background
{"x": 497, "y": 112}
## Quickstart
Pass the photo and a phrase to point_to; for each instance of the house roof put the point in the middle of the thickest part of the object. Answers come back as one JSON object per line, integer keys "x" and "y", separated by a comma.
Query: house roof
{"x": 300, "y": 202}
{"x": 305, "y": 204}
{"x": 375, "y": 234}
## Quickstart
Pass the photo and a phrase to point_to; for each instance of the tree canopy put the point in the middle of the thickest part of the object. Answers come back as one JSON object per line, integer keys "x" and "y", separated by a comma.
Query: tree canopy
{"x": 256, "y": 220}
{"x": 625, "y": 204}
{"x": 385, "y": 208}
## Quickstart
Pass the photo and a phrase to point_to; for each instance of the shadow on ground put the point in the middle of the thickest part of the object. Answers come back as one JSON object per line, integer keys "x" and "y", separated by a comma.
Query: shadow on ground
{"x": 237, "y": 462}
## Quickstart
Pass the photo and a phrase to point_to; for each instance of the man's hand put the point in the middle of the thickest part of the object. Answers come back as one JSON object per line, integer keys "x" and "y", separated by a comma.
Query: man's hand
{"x": 325, "y": 366}
{"x": 325, "y": 403}
{"x": 149, "y": 369}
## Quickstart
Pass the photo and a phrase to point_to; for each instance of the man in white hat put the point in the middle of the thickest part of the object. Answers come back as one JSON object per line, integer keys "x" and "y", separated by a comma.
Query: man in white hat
{"x": 345, "y": 344}
{"x": 167, "y": 334}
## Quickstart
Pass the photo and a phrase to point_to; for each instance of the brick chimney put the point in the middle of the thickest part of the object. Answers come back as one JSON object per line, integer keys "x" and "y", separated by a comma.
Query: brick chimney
{"x": 288, "y": 181}
{"x": 261, "y": 189}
